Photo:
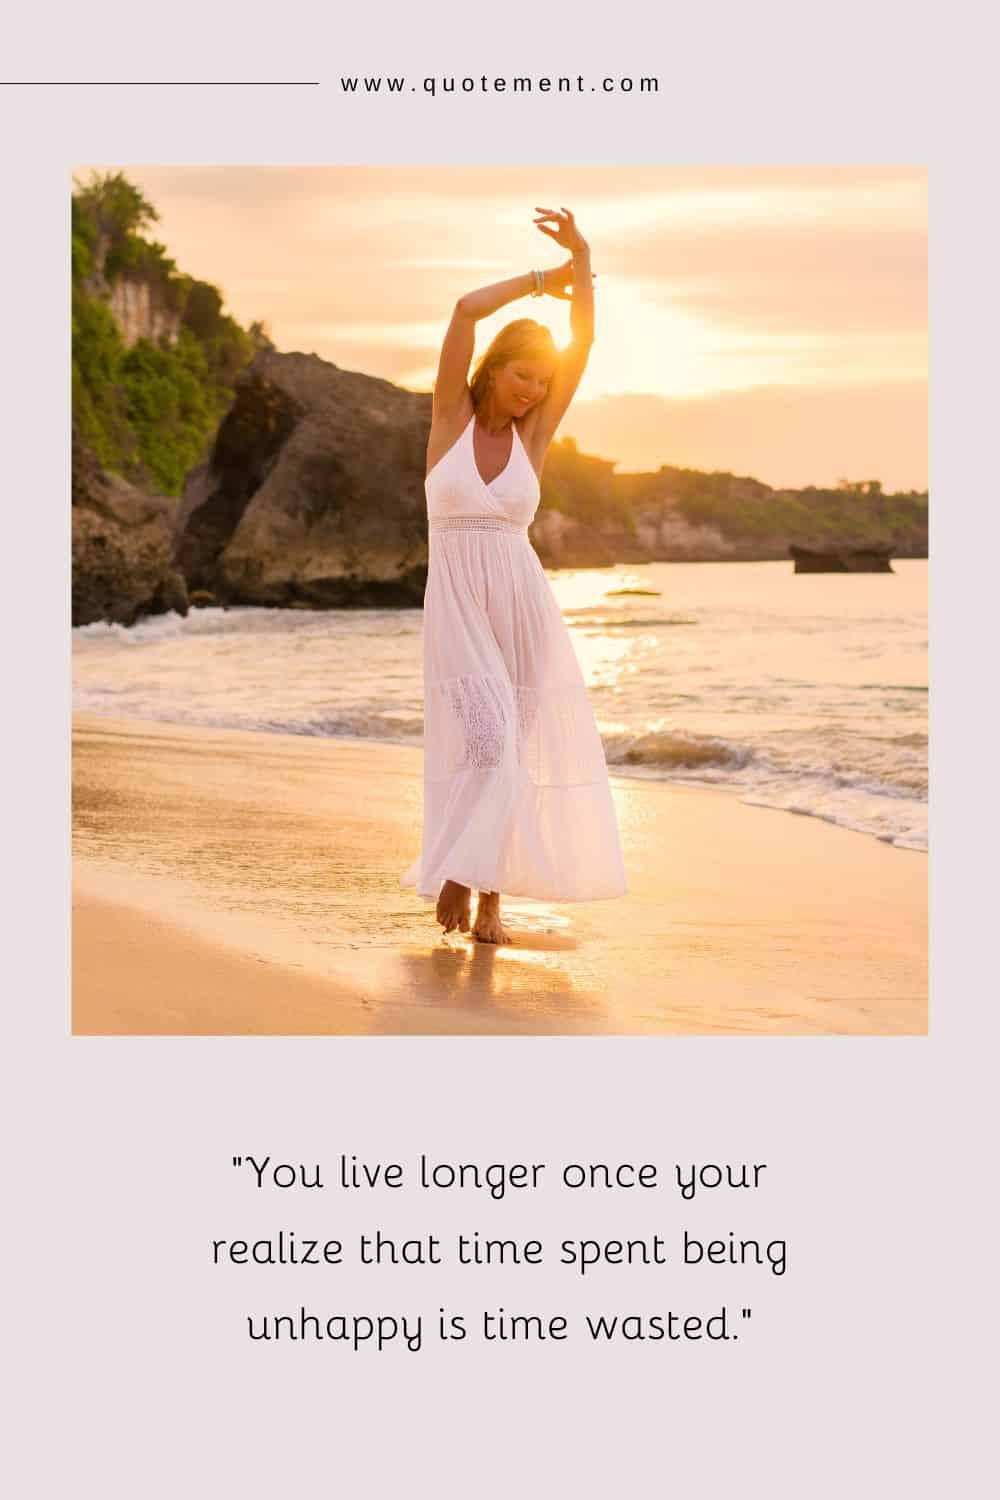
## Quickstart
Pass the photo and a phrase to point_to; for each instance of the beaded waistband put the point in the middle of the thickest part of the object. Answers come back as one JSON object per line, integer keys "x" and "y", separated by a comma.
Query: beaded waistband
{"x": 475, "y": 523}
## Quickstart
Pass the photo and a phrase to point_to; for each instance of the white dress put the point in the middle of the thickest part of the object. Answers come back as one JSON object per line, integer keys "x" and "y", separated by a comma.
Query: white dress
{"x": 516, "y": 793}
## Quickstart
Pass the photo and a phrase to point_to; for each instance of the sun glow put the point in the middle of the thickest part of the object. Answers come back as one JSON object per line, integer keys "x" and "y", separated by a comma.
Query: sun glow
{"x": 713, "y": 284}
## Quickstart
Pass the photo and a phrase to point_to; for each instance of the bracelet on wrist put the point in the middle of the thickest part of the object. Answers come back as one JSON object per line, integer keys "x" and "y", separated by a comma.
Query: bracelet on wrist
{"x": 538, "y": 279}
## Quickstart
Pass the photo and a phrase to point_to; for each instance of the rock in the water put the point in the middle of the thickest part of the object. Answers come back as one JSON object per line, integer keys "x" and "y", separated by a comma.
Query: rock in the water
{"x": 122, "y": 547}
{"x": 314, "y": 492}
{"x": 842, "y": 560}
{"x": 171, "y": 594}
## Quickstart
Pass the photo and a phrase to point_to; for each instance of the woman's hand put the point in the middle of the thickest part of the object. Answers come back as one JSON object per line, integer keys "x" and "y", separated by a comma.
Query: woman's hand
{"x": 559, "y": 282}
{"x": 564, "y": 232}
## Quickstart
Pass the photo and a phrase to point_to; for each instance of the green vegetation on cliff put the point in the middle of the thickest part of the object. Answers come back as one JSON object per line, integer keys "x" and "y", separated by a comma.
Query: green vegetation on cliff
{"x": 584, "y": 487}
{"x": 854, "y": 512}
{"x": 741, "y": 509}
{"x": 148, "y": 409}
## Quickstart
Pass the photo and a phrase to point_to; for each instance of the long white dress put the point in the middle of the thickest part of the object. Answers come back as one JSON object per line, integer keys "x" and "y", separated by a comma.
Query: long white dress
{"x": 516, "y": 793}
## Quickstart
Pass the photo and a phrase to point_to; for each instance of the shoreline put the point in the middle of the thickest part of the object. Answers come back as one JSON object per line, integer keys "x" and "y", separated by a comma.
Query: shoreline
{"x": 639, "y": 772}
{"x": 233, "y": 881}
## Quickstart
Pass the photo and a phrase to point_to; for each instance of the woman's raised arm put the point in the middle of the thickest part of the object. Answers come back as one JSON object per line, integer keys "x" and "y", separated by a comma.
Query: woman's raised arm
{"x": 451, "y": 384}
{"x": 572, "y": 359}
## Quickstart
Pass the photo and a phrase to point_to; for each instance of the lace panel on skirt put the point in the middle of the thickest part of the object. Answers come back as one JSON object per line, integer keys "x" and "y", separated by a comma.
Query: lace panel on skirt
{"x": 483, "y": 723}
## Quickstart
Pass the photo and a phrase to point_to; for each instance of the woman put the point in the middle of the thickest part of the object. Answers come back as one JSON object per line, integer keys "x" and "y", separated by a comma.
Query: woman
{"x": 516, "y": 794}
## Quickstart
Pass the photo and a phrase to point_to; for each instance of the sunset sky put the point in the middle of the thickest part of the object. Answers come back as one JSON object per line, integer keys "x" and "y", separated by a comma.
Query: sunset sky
{"x": 765, "y": 320}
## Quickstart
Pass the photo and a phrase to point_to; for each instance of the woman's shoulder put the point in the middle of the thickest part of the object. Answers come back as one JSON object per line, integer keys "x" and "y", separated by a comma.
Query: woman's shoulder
{"x": 534, "y": 440}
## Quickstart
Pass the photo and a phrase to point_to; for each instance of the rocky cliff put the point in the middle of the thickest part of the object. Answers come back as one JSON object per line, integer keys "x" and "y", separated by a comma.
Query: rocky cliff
{"x": 313, "y": 495}
{"x": 122, "y": 543}
{"x": 142, "y": 300}
{"x": 313, "y": 492}
{"x": 142, "y": 310}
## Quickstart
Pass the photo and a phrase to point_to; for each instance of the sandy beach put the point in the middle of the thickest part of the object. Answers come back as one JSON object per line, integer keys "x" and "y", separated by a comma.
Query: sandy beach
{"x": 235, "y": 882}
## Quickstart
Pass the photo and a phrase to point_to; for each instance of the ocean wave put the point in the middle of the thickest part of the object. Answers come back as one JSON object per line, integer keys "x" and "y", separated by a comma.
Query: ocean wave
{"x": 899, "y": 821}
{"x": 248, "y": 619}
{"x": 894, "y": 813}
{"x": 888, "y": 803}
{"x": 766, "y": 700}
{"x": 399, "y": 728}
{"x": 674, "y": 749}
{"x": 905, "y": 741}
{"x": 579, "y": 618}
{"x": 198, "y": 622}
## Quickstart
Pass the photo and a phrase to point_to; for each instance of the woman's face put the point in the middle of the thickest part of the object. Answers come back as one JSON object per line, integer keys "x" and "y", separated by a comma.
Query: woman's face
{"x": 521, "y": 384}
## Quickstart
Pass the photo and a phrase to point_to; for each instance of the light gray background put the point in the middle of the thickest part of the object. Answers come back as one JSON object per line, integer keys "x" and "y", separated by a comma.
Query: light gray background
{"x": 130, "y": 1374}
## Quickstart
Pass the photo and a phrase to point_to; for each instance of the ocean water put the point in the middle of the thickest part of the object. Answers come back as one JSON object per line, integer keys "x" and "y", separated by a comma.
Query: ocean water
{"x": 804, "y": 692}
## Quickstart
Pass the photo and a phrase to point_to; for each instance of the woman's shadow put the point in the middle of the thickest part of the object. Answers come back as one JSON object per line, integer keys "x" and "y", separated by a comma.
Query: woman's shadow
{"x": 527, "y": 985}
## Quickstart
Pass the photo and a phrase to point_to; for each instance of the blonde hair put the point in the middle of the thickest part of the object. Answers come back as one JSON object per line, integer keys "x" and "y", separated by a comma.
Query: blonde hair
{"x": 522, "y": 339}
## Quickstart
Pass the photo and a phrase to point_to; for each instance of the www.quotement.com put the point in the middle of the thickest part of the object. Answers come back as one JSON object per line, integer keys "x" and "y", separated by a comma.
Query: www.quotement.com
{"x": 453, "y": 84}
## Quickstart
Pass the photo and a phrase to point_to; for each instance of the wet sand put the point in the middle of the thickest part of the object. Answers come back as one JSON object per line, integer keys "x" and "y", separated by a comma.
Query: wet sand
{"x": 231, "y": 882}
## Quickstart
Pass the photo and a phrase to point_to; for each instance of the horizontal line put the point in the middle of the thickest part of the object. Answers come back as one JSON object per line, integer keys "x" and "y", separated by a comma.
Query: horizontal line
{"x": 164, "y": 83}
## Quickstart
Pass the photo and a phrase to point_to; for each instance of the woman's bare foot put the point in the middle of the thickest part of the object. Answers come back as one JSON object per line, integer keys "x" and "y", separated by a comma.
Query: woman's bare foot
{"x": 488, "y": 926}
{"x": 453, "y": 906}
